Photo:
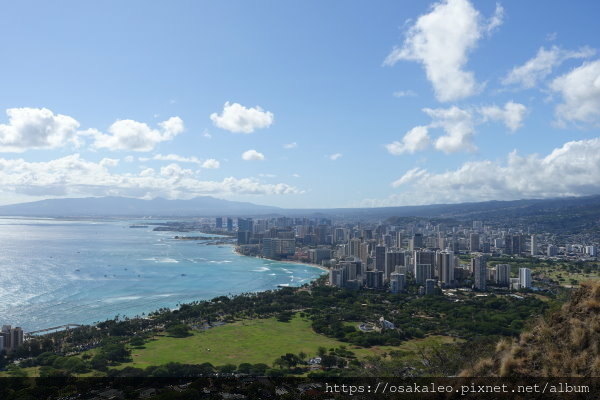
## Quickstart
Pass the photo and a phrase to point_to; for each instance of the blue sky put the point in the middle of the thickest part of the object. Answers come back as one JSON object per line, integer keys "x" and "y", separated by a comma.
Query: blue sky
{"x": 300, "y": 103}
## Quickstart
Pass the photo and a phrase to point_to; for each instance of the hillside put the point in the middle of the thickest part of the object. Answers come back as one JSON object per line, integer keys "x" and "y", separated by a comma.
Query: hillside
{"x": 564, "y": 343}
{"x": 122, "y": 206}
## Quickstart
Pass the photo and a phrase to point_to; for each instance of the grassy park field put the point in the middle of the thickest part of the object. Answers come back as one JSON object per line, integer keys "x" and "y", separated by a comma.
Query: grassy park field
{"x": 254, "y": 341}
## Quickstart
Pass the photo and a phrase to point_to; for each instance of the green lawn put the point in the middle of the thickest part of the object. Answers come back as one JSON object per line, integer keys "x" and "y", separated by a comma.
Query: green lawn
{"x": 251, "y": 341}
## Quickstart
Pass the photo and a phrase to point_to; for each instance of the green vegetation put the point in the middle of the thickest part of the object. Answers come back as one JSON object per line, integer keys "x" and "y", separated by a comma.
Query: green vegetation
{"x": 249, "y": 341}
{"x": 276, "y": 332}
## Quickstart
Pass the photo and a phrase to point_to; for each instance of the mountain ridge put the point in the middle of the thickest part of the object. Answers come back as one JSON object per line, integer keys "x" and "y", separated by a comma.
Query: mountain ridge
{"x": 584, "y": 208}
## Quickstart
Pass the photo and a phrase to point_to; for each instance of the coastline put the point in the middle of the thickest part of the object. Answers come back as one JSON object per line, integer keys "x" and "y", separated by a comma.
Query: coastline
{"x": 322, "y": 268}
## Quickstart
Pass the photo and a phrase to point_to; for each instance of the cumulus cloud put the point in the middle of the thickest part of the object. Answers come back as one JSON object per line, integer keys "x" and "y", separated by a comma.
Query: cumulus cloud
{"x": 570, "y": 170}
{"x": 409, "y": 176}
{"x": 414, "y": 140}
{"x": 75, "y": 176}
{"x": 292, "y": 145}
{"x": 211, "y": 163}
{"x": 459, "y": 128}
{"x": 252, "y": 155}
{"x": 580, "y": 90}
{"x": 540, "y": 66}
{"x": 109, "y": 162}
{"x": 172, "y": 157}
{"x": 441, "y": 40}
{"x": 132, "y": 135}
{"x": 458, "y": 125}
{"x": 36, "y": 128}
{"x": 239, "y": 119}
{"x": 335, "y": 156}
{"x": 511, "y": 115}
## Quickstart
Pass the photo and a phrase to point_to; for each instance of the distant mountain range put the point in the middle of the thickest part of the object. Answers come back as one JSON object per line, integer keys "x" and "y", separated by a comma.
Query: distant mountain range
{"x": 584, "y": 212}
{"x": 128, "y": 207}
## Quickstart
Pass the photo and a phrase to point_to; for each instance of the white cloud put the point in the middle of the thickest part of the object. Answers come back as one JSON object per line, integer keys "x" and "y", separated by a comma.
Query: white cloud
{"x": 495, "y": 20}
{"x": 292, "y": 145}
{"x": 129, "y": 159}
{"x": 132, "y": 135}
{"x": 335, "y": 156}
{"x": 252, "y": 155}
{"x": 404, "y": 93}
{"x": 109, "y": 162}
{"x": 36, "y": 128}
{"x": 409, "y": 176}
{"x": 441, "y": 41}
{"x": 459, "y": 128}
{"x": 74, "y": 176}
{"x": 173, "y": 157}
{"x": 540, "y": 66}
{"x": 580, "y": 89}
{"x": 211, "y": 163}
{"x": 239, "y": 119}
{"x": 457, "y": 124}
{"x": 570, "y": 170}
{"x": 414, "y": 140}
{"x": 512, "y": 115}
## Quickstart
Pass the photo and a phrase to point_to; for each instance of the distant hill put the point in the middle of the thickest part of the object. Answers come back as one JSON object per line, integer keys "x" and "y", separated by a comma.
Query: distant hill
{"x": 122, "y": 206}
{"x": 565, "y": 343}
{"x": 573, "y": 214}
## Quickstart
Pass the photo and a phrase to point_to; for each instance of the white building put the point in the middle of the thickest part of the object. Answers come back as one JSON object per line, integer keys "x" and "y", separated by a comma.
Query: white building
{"x": 524, "y": 278}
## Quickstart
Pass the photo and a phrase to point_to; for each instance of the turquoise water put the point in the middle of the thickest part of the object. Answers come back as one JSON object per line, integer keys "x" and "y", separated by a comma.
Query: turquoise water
{"x": 54, "y": 272}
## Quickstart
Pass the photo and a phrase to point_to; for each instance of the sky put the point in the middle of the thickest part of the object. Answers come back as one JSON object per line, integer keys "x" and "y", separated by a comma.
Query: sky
{"x": 300, "y": 104}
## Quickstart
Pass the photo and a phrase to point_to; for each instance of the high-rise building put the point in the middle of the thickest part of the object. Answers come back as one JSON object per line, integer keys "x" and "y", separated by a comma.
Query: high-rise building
{"x": 245, "y": 224}
{"x": 340, "y": 235}
{"x": 380, "y": 258}
{"x": 423, "y": 257}
{"x": 363, "y": 252}
{"x": 354, "y": 248}
{"x": 219, "y": 222}
{"x": 552, "y": 250}
{"x": 524, "y": 278}
{"x": 393, "y": 259}
{"x": 416, "y": 242}
{"x": 374, "y": 279}
{"x": 445, "y": 265}
{"x": 590, "y": 251}
{"x": 473, "y": 242}
{"x": 533, "y": 245}
{"x": 514, "y": 244}
{"x": 478, "y": 265}
{"x": 243, "y": 237}
{"x": 229, "y": 224}
{"x": 399, "y": 240}
{"x": 16, "y": 337}
{"x": 397, "y": 282}
{"x": 503, "y": 274}
{"x": 11, "y": 338}
{"x": 318, "y": 255}
{"x": 423, "y": 272}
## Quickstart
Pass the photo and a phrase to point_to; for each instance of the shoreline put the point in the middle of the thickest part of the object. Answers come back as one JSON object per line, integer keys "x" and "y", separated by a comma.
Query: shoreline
{"x": 322, "y": 268}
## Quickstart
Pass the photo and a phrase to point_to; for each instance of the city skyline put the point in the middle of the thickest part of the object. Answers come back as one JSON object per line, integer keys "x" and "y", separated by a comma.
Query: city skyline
{"x": 300, "y": 105}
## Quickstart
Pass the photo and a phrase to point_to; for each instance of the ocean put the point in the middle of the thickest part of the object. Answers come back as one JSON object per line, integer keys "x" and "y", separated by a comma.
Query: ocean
{"x": 57, "y": 272}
